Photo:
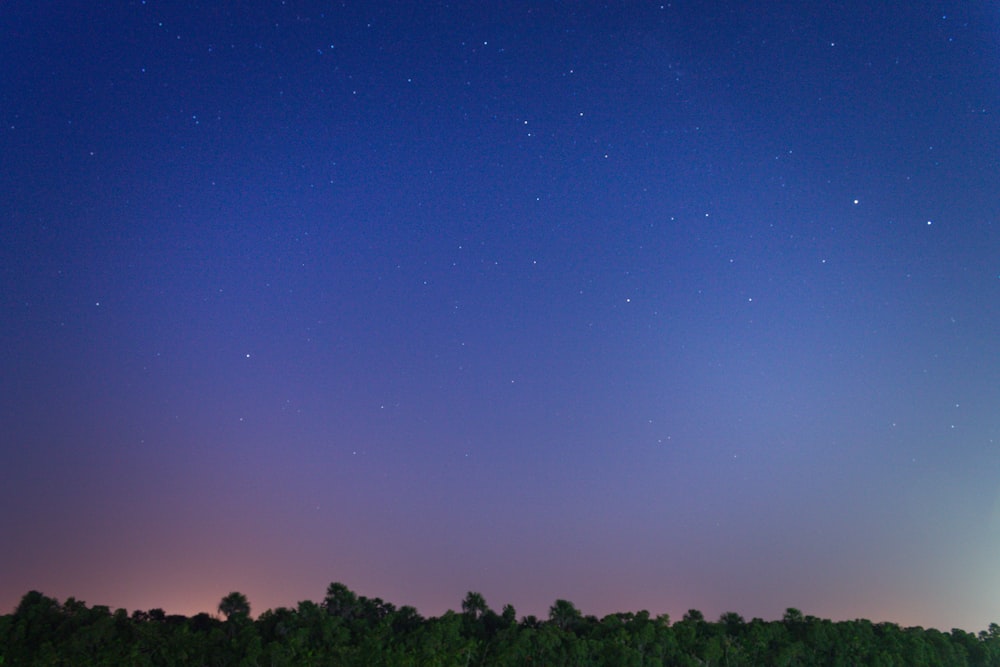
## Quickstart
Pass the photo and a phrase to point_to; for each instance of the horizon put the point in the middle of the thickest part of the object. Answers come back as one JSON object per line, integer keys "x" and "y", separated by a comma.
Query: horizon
{"x": 255, "y": 613}
{"x": 542, "y": 614}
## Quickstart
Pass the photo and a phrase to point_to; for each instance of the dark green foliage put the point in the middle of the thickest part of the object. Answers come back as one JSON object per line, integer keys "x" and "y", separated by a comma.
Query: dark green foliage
{"x": 348, "y": 630}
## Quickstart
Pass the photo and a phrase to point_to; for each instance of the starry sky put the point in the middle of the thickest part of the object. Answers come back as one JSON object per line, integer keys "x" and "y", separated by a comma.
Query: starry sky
{"x": 640, "y": 305}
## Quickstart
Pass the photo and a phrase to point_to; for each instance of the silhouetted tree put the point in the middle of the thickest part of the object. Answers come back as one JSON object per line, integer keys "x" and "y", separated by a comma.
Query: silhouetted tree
{"x": 340, "y": 600}
{"x": 564, "y": 615}
{"x": 474, "y": 605}
{"x": 234, "y": 606}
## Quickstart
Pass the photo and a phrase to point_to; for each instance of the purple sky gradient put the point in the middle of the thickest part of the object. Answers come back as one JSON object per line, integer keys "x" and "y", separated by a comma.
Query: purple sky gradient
{"x": 641, "y": 306}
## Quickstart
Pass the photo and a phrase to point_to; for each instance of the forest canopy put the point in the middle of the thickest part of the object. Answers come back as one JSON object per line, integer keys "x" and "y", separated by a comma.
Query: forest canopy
{"x": 350, "y": 629}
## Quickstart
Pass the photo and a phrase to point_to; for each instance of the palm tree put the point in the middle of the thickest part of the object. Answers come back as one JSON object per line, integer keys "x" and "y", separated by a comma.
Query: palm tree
{"x": 234, "y": 605}
{"x": 474, "y": 605}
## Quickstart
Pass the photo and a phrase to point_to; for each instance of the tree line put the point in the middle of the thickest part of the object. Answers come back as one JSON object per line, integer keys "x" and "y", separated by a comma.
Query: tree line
{"x": 347, "y": 629}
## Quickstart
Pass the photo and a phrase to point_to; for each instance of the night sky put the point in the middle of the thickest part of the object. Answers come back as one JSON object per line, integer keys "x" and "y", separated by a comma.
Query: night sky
{"x": 640, "y": 305}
